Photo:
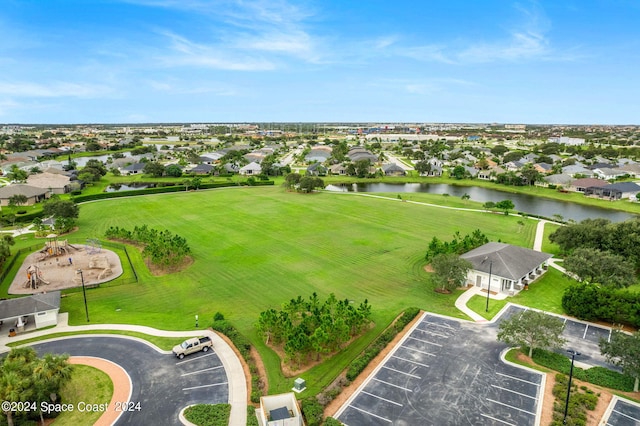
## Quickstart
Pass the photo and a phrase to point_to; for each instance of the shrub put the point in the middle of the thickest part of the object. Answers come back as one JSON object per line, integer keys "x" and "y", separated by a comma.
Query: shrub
{"x": 252, "y": 419}
{"x": 208, "y": 414}
{"x": 330, "y": 421}
{"x": 312, "y": 411}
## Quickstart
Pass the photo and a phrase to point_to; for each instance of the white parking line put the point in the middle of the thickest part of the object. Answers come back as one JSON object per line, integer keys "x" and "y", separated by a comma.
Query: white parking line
{"x": 416, "y": 350}
{"x": 195, "y": 358}
{"x": 625, "y": 415}
{"x": 409, "y": 360}
{"x": 391, "y": 384}
{"x": 517, "y": 393}
{"x": 200, "y": 371}
{"x": 609, "y": 338}
{"x": 205, "y": 386}
{"x": 425, "y": 341}
{"x": 383, "y": 399}
{"x": 498, "y": 420}
{"x": 401, "y": 372}
{"x": 371, "y": 414}
{"x": 585, "y": 331}
{"x": 511, "y": 406}
{"x": 447, "y": 326}
{"x": 518, "y": 378}
{"x": 444, "y": 336}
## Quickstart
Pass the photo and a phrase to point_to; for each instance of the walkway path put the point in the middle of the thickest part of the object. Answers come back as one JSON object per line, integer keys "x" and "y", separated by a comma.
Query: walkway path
{"x": 232, "y": 365}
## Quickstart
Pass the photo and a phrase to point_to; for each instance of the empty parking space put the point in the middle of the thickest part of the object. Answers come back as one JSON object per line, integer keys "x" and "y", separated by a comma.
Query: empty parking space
{"x": 445, "y": 372}
{"x": 624, "y": 413}
{"x": 202, "y": 374}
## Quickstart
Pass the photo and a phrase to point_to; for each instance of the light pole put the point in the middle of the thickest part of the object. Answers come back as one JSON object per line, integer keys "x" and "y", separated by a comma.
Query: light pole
{"x": 84, "y": 294}
{"x": 566, "y": 405}
{"x": 196, "y": 320}
{"x": 489, "y": 286}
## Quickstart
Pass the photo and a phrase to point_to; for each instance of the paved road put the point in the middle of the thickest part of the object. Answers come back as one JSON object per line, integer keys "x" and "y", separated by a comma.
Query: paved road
{"x": 161, "y": 383}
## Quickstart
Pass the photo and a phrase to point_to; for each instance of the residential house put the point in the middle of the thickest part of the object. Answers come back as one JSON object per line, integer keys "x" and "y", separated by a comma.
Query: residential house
{"x": 609, "y": 173}
{"x": 33, "y": 194}
{"x": 576, "y": 169}
{"x": 254, "y": 157}
{"x": 318, "y": 154}
{"x": 133, "y": 169}
{"x": 503, "y": 267}
{"x": 615, "y": 191}
{"x": 393, "y": 169}
{"x": 581, "y": 185}
{"x": 359, "y": 153}
{"x": 338, "y": 169}
{"x": 316, "y": 169}
{"x": 252, "y": 168}
{"x": 558, "y": 180}
{"x": 632, "y": 170}
{"x": 201, "y": 169}
{"x": 53, "y": 182}
{"x": 490, "y": 173}
{"x": 543, "y": 168}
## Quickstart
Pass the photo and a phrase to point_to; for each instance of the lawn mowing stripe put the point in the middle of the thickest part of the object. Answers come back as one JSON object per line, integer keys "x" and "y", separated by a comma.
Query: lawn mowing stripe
{"x": 381, "y": 398}
{"x": 425, "y": 341}
{"x": 517, "y": 393}
{"x": 391, "y": 384}
{"x": 419, "y": 351}
{"x": 205, "y": 386}
{"x": 401, "y": 372}
{"x": 200, "y": 371}
{"x": 409, "y": 360}
{"x": 498, "y": 420}
{"x": 369, "y": 413}
{"x": 518, "y": 378}
{"x": 511, "y": 406}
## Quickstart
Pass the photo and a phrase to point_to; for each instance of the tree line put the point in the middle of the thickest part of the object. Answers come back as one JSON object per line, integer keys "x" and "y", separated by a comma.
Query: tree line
{"x": 163, "y": 247}
{"x": 310, "y": 328}
{"x": 458, "y": 245}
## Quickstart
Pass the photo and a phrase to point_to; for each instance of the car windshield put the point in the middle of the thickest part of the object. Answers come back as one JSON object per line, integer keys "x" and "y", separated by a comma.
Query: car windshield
{"x": 184, "y": 345}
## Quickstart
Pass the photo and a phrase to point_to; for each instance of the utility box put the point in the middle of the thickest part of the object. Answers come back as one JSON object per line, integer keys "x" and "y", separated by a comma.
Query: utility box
{"x": 299, "y": 384}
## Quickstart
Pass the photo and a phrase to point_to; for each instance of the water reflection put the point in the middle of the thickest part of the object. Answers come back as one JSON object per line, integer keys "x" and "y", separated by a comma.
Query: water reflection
{"x": 523, "y": 202}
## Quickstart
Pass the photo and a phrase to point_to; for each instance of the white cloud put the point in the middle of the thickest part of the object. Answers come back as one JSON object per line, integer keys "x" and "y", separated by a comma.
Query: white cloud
{"x": 54, "y": 90}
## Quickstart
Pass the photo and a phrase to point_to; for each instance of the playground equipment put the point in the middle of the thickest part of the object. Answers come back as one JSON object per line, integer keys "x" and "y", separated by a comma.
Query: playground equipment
{"x": 93, "y": 246}
{"x": 53, "y": 247}
{"x": 34, "y": 278}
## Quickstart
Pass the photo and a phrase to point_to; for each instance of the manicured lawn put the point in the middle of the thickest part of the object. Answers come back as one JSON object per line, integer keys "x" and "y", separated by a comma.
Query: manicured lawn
{"x": 255, "y": 248}
{"x": 545, "y": 294}
{"x": 548, "y": 246}
{"x": 89, "y": 386}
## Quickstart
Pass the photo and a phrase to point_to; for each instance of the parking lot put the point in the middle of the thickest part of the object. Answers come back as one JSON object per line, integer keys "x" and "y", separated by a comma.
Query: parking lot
{"x": 623, "y": 413}
{"x": 446, "y": 372}
{"x": 162, "y": 384}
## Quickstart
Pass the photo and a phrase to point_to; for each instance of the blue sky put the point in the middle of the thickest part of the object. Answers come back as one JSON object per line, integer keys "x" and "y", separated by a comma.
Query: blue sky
{"x": 116, "y": 61}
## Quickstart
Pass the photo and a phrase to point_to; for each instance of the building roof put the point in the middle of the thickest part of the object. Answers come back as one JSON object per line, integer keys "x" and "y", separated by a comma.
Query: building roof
{"x": 505, "y": 260}
{"x": 29, "y": 305}
{"x": 587, "y": 182}
{"x": 21, "y": 189}
{"x": 48, "y": 180}
{"x": 559, "y": 179}
{"x": 624, "y": 187}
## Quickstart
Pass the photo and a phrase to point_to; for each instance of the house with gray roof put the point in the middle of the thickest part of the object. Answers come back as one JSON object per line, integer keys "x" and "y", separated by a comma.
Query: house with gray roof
{"x": 559, "y": 179}
{"x": 576, "y": 169}
{"x": 615, "y": 191}
{"x": 33, "y": 194}
{"x": 54, "y": 182}
{"x": 133, "y": 169}
{"x": 38, "y": 309}
{"x": 251, "y": 169}
{"x": 201, "y": 169}
{"x": 316, "y": 169}
{"x": 632, "y": 170}
{"x": 393, "y": 169}
{"x": 504, "y": 268}
{"x": 609, "y": 173}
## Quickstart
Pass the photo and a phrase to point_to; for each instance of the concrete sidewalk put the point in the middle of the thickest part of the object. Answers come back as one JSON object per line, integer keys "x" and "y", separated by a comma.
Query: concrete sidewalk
{"x": 232, "y": 365}
{"x": 461, "y": 302}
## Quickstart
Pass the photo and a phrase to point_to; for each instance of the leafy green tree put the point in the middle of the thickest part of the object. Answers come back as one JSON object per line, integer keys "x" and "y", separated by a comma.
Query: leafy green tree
{"x": 595, "y": 266}
{"x": 292, "y": 180}
{"x": 17, "y": 174}
{"x": 499, "y": 150}
{"x": 423, "y": 167}
{"x": 505, "y": 205}
{"x": 532, "y": 329}
{"x": 489, "y": 205}
{"x": 154, "y": 169}
{"x": 362, "y": 167}
{"x": 309, "y": 183}
{"x": 18, "y": 200}
{"x": 512, "y": 156}
{"x": 530, "y": 174}
{"x": 173, "y": 170}
{"x": 60, "y": 208}
{"x": 450, "y": 271}
{"x": 459, "y": 172}
{"x": 624, "y": 350}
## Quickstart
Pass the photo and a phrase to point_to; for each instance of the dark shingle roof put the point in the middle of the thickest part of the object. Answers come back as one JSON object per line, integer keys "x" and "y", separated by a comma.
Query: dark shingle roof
{"x": 29, "y": 305}
{"x": 505, "y": 260}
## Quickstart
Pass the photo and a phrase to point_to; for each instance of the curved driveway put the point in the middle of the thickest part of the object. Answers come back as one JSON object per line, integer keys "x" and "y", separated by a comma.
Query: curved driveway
{"x": 162, "y": 384}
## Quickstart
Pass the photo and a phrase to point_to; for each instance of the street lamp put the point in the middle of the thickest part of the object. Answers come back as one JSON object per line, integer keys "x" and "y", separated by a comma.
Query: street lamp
{"x": 84, "y": 294}
{"x": 196, "y": 320}
{"x": 566, "y": 405}
{"x": 489, "y": 286}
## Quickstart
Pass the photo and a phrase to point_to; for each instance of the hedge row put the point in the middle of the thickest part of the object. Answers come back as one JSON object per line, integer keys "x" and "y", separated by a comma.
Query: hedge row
{"x": 596, "y": 375}
{"x": 360, "y": 363}
{"x": 592, "y": 302}
{"x": 244, "y": 347}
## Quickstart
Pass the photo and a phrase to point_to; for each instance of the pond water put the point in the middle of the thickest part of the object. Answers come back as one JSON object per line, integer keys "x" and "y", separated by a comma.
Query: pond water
{"x": 523, "y": 202}
{"x": 128, "y": 187}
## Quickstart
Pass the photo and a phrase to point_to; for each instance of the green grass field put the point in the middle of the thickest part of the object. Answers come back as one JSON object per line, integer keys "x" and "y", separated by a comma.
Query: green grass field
{"x": 255, "y": 248}
{"x": 89, "y": 386}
